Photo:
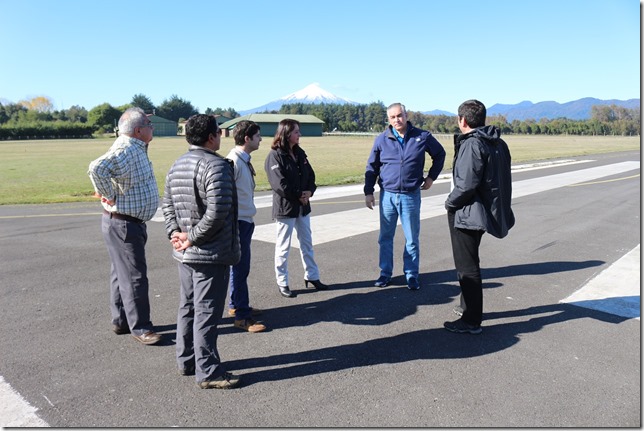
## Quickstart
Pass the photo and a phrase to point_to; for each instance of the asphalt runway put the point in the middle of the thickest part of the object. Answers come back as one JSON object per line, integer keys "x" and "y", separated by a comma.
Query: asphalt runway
{"x": 355, "y": 355}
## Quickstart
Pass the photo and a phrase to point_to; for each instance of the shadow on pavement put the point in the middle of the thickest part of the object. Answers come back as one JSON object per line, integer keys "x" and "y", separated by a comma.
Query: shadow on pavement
{"x": 434, "y": 343}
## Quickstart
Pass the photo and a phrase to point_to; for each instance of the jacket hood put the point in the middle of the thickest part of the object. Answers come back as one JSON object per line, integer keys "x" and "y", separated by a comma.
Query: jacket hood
{"x": 489, "y": 133}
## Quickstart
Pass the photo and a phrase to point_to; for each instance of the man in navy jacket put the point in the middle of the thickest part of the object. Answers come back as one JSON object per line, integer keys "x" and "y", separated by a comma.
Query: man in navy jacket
{"x": 396, "y": 163}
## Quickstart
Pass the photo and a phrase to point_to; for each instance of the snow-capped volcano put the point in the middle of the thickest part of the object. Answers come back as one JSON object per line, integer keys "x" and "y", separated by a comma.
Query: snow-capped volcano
{"x": 312, "y": 93}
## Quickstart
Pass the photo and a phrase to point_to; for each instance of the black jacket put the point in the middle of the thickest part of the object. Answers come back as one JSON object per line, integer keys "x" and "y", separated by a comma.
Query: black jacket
{"x": 482, "y": 193}
{"x": 200, "y": 198}
{"x": 288, "y": 179}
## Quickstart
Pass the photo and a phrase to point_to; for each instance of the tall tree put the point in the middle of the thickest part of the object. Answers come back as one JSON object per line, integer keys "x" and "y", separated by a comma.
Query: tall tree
{"x": 104, "y": 116}
{"x": 38, "y": 104}
{"x": 176, "y": 109}
{"x": 142, "y": 101}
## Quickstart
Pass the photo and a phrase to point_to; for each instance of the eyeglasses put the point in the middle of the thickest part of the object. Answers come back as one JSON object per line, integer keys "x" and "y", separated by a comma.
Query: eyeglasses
{"x": 150, "y": 125}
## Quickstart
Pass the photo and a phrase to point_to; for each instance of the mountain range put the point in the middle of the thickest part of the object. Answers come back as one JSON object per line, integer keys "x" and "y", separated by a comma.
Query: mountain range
{"x": 575, "y": 110}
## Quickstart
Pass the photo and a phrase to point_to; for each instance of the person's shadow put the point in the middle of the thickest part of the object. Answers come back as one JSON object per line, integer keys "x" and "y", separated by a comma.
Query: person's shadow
{"x": 386, "y": 305}
{"x": 434, "y": 343}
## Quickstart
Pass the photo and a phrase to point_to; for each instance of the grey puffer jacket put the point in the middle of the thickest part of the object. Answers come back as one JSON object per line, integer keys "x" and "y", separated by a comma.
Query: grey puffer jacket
{"x": 200, "y": 198}
{"x": 482, "y": 193}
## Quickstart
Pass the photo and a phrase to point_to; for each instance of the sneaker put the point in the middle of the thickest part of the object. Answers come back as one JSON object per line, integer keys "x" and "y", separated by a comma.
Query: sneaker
{"x": 460, "y": 327}
{"x": 148, "y": 338}
{"x": 225, "y": 381}
{"x": 382, "y": 281}
{"x": 412, "y": 284}
{"x": 249, "y": 325}
{"x": 253, "y": 311}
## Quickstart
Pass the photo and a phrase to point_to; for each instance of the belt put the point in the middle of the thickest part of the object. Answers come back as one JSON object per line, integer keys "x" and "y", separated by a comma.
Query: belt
{"x": 122, "y": 217}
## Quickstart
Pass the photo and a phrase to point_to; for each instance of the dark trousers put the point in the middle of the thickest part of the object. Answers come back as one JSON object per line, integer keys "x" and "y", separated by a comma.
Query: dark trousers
{"x": 239, "y": 274}
{"x": 129, "y": 301}
{"x": 202, "y": 298}
{"x": 465, "y": 248}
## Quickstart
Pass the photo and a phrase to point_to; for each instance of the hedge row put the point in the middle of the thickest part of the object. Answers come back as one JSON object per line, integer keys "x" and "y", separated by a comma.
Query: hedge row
{"x": 46, "y": 130}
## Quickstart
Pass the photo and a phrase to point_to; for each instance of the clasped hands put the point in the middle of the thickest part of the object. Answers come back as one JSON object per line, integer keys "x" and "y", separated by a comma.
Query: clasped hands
{"x": 180, "y": 241}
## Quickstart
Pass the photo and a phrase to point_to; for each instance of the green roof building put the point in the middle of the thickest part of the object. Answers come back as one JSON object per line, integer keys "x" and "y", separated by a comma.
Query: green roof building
{"x": 163, "y": 127}
{"x": 310, "y": 125}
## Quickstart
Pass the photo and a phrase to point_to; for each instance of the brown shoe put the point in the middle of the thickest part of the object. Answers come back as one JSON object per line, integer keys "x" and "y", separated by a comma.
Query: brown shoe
{"x": 148, "y": 338}
{"x": 253, "y": 312}
{"x": 226, "y": 381}
{"x": 249, "y": 325}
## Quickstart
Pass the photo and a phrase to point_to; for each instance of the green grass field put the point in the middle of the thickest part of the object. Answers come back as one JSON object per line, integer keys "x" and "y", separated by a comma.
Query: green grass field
{"x": 53, "y": 171}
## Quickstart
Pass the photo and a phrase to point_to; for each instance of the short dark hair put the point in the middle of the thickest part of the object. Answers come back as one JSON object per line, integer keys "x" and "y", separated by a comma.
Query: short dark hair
{"x": 244, "y": 128}
{"x": 199, "y": 127}
{"x": 284, "y": 130}
{"x": 474, "y": 113}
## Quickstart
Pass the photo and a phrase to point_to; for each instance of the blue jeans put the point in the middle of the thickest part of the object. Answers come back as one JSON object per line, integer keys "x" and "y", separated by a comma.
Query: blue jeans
{"x": 239, "y": 274}
{"x": 407, "y": 207}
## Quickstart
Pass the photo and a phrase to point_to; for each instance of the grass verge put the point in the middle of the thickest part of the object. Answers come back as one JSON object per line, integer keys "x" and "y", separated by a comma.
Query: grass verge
{"x": 55, "y": 171}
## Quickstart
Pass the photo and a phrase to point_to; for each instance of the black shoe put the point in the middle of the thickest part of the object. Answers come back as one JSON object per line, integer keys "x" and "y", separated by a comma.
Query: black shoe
{"x": 187, "y": 371}
{"x": 316, "y": 283}
{"x": 412, "y": 284}
{"x": 286, "y": 292}
{"x": 460, "y": 327}
{"x": 120, "y": 330}
{"x": 382, "y": 281}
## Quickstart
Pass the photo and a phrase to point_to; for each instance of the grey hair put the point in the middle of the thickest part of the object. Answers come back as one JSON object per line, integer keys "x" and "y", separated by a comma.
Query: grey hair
{"x": 396, "y": 105}
{"x": 130, "y": 120}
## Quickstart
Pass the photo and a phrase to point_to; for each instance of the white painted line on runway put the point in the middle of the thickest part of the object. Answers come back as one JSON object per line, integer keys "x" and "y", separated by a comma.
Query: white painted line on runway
{"x": 330, "y": 192}
{"x": 616, "y": 290}
{"x": 15, "y": 411}
{"x": 339, "y": 225}
{"x": 549, "y": 182}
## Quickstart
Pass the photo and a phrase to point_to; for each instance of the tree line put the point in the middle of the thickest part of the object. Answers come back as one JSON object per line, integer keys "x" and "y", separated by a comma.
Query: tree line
{"x": 36, "y": 118}
{"x": 605, "y": 120}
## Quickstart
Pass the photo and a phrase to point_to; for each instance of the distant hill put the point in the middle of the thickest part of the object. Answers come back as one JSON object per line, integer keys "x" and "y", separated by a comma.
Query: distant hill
{"x": 439, "y": 112}
{"x": 575, "y": 110}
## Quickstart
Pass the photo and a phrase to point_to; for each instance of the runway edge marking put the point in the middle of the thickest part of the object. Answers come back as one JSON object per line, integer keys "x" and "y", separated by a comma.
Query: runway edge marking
{"x": 15, "y": 411}
{"x": 615, "y": 290}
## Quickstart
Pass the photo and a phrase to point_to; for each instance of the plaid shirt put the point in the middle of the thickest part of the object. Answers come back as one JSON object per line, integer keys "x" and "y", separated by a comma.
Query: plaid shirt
{"x": 124, "y": 175}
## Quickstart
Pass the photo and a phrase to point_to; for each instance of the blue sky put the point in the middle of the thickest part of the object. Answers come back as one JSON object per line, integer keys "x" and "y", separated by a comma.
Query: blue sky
{"x": 427, "y": 54}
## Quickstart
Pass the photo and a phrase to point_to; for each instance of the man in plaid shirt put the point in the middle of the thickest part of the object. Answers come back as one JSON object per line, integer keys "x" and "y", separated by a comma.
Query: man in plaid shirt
{"x": 124, "y": 179}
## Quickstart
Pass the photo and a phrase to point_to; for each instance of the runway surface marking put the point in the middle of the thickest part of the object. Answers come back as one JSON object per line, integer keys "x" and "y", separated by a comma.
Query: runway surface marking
{"x": 329, "y": 192}
{"x": 15, "y": 411}
{"x": 615, "y": 290}
{"x": 344, "y": 224}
